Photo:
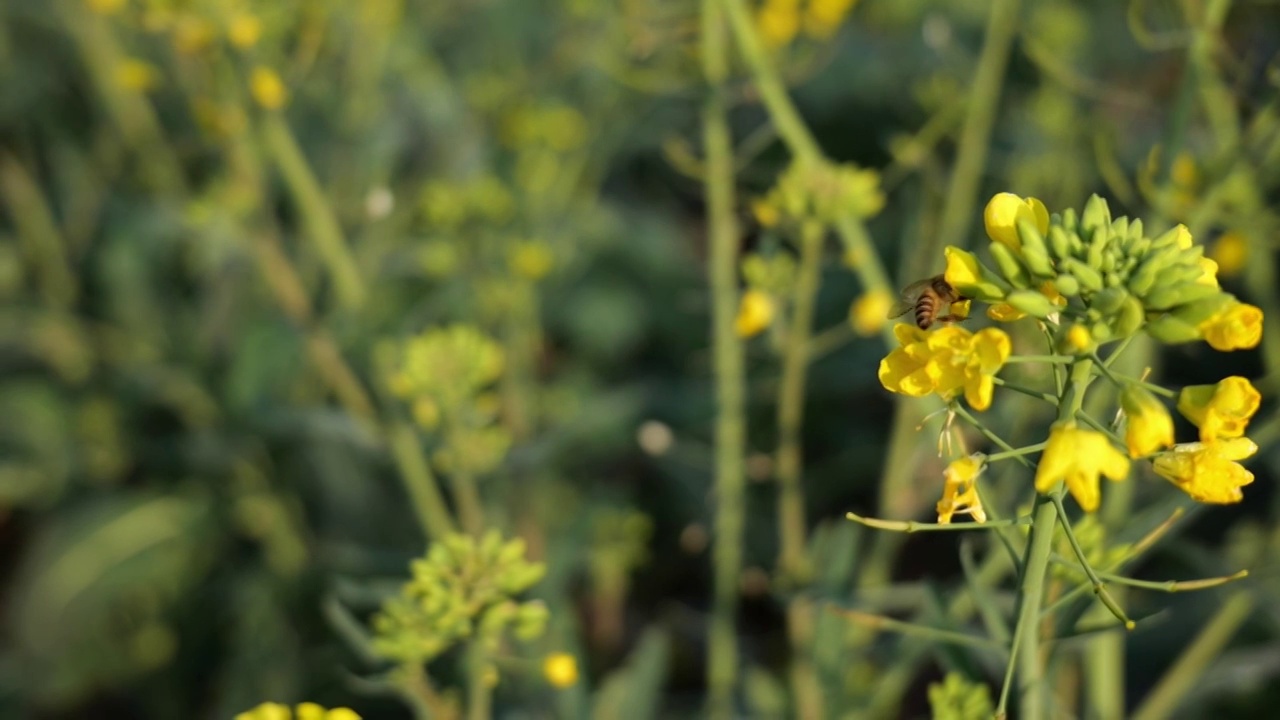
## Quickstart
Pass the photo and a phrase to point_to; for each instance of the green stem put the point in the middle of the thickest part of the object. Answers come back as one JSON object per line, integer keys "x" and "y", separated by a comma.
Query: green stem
{"x": 975, "y": 134}
{"x": 911, "y": 526}
{"x": 1055, "y": 359}
{"x": 1032, "y": 690}
{"x": 466, "y": 493}
{"x": 1026, "y": 450}
{"x": 1208, "y": 644}
{"x": 950, "y": 637}
{"x": 479, "y": 691}
{"x": 988, "y": 434}
{"x": 317, "y": 215}
{"x": 42, "y": 240}
{"x": 730, "y": 373}
{"x": 424, "y": 490}
{"x": 1047, "y": 397}
{"x": 1096, "y": 583}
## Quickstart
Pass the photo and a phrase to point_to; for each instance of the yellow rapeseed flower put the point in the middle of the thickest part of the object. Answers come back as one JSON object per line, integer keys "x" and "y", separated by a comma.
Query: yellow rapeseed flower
{"x": 1183, "y": 238}
{"x": 1003, "y": 212}
{"x": 778, "y": 22}
{"x": 304, "y": 711}
{"x": 755, "y": 313}
{"x": 1150, "y": 427}
{"x": 1077, "y": 457}
{"x": 1004, "y": 312}
{"x": 244, "y": 29}
{"x": 267, "y": 88}
{"x": 1222, "y": 410}
{"x": 1209, "y": 272}
{"x": 560, "y": 669}
{"x": 960, "y": 490}
{"x": 137, "y": 75}
{"x": 1231, "y": 252}
{"x": 870, "y": 312}
{"x": 962, "y": 267}
{"x": 947, "y": 361}
{"x": 766, "y": 213}
{"x": 1079, "y": 337}
{"x": 105, "y": 7}
{"x": 1236, "y": 327}
{"x": 1209, "y": 472}
{"x": 531, "y": 260}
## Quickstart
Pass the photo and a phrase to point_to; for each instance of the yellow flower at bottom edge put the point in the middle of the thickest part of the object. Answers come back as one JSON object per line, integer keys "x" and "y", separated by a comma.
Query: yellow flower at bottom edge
{"x": 1150, "y": 425}
{"x": 560, "y": 669}
{"x": 1209, "y": 472}
{"x": 1077, "y": 457}
{"x": 1222, "y": 410}
{"x": 870, "y": 312}
{"x": 1236, "y": 327}
{"x": 1003, "y": 212}
{"x": 960, "y": 490}
{"x": 755, "y": 313}
{"x": 305, "y": 711}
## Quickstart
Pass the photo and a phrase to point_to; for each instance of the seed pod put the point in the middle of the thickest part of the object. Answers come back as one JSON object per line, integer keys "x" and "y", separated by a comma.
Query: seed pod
{"x": 1067, "y": 284}
{"x": 1033, "y": 249}
{"x": 1129, "y": 319}
{"x": 1060, "y": 242}
{"x": 1032, "y": 303}
{"x": 1172, "y": 330}
{"x": 1010, "y": 267}
{"x": 1089, "y": 278}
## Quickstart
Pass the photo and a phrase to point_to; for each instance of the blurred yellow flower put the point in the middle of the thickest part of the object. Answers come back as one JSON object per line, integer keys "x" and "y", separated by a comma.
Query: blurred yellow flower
{"x": 755, "y": 313}
{"x": 947, "y": 361}
{"x": 823, "y": 17}
{"x": 137, "y": 75}
{"x": 1236, "y": 327}
{"x": 1222, "y": 410}
{"x": 244, "y": 29}
{"x": 105, "y": 7}
{"x": 304, "y": 711}
{"x": 1079, "y": 338}
{"x": 1231, "y": 252}
{"x": 1003, "y": 212}
{"x": 1209, "y": 274}
{"x": 960, "y": 490}
{"x": 870, "y": 312}
{"x": 531, "y": 260}
{"x": 778, "y": 22}
{"x": 1150, "y": 427}
{"x": 1004, "y": 312}
{"x": 1077, "y": 457}
{"x": 267, "y": 88}
{"x": 766, "y": 213}
{"x": 1209, "y": 472}
{"x": 560, "y": 669}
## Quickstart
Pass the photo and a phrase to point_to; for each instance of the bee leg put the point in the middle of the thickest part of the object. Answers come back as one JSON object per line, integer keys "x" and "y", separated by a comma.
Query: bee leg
{"x": 950, "y": 317}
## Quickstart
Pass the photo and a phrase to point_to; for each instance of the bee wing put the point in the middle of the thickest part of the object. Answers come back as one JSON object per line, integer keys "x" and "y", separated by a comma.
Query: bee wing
{"x": 907, "y": 300}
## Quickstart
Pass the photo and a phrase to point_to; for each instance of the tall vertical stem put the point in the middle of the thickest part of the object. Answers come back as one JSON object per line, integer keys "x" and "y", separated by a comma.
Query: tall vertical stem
{"x": 727, "y": 354}
{"x": 479, "y": 691}
{"x": 1032, "y": 689}
{"x": 793, "y": 563}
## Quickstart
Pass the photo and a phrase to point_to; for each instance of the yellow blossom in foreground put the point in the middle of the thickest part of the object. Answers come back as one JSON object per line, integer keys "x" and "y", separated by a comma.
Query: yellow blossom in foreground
{"x": 267, "y": 88}
{"x": 1237, "y": 327}
{"x": 1150, "y": 426}
{"x": 869, "y": 312}
{"x": 960, "y": 490}
{"x": 1078, "y": 456}
{"x": 560, "y": 669}
{"x": 244, "y": 29}
{"x": 778, "y": 22}
{"x": 105, "y": 7}
{"x": 1222, "y": 410}
{"x": 755, "y": 313}
{"x": 962, "y": 268}
{"x": 948, "y": 361}
{"x": 136, "y": 75}
{"x": 304, "y": 711}
{"x": 1003, "y": 212}
{"x": 1231, "y": 252}
{"x": 1209, "y": 472}
{"x": 1209, "y": 274}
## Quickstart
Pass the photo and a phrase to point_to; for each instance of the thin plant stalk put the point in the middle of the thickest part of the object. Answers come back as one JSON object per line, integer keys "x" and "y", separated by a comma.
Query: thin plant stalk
{"x": 730, "y": 371}
{"x": 479, "y": 689}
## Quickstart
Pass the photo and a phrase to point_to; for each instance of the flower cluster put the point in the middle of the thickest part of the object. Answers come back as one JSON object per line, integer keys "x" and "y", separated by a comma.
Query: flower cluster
{"x": 769, "y": 278}
{"x": 1089, "y": 279}
{"x": 445, "y": 374}
{"x": 304, "y": 711}
{"x": 821, "y": 191}
{"x": 463, "y": 589}
{"x": 779, "y": 21}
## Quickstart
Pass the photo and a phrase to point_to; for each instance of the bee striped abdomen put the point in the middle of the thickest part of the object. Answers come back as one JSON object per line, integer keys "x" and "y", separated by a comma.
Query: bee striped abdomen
{"x": 926, "y": 310}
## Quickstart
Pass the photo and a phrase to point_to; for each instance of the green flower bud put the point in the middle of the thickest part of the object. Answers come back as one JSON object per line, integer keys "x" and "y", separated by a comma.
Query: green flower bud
{"x": 1010, "y": 267}
{"x": 1101, "y": 331}
{"x": 1172, "y": 330}
{"x": 1033, "y": 249}
{"x": 1089, "y": 278}
{"x": 1130, "y": 317}
{"x": 1061, "y": 242}
{"x": 1067, "y": 284}
{"x": 1135, "y": 231}
{"x": 1196, "y": 312}
{"x": 1070, "y": 222}
{"x": 1164, "y": 298}
{"x": 1108, "y": 301}
{"x": 1032, "y": 302}
{"x": 1096, "y": 215}
{"x": 1167, "y": 239}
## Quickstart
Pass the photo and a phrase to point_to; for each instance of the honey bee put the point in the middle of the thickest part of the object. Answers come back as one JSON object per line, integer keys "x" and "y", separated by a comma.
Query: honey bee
{"x": 926, "y": 297}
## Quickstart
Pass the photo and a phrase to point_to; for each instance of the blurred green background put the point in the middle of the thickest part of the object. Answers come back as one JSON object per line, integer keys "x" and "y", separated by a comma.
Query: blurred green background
{"x": 219, "y": 220}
